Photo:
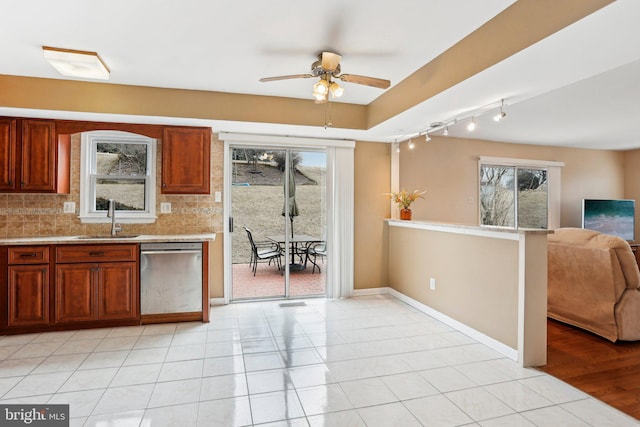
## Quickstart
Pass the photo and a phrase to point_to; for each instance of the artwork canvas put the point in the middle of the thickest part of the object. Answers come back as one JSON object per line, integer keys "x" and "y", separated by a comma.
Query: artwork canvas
{"x": 615, "y": 217}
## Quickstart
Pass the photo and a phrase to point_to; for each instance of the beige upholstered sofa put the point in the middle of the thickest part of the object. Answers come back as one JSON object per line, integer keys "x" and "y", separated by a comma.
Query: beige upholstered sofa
{"x": 593, "y": 283}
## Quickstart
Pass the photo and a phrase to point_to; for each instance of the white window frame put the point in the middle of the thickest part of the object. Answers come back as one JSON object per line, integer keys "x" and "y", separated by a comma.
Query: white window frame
{"x": 88, "y": 144}
{"x": 553, "y": 179}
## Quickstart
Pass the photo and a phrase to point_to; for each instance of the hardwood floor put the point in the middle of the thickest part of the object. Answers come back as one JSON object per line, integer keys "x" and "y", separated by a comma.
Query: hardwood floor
{"x": 608, "y": 371}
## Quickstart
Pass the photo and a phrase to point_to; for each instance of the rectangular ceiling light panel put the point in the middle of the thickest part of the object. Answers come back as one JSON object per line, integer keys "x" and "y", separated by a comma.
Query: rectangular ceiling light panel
{"x": 76, "y": 63}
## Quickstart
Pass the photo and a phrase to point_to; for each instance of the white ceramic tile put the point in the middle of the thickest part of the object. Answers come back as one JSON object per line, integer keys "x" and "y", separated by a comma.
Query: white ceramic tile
{"x": 599, "y": 414}
{"x": 409, "y": 386}
{"x": 17, "y": 339}
{"x": 125, "y": 331}
{"x": 268, "y": 381}
{"x": 81, "y": 346}
{"x": 301, "y": 357}
{"x": 553, "y": 389}
{"x": 77, "y": 422}
{"x": 483, "y": 373}
{"x": 159, "y": 329}
{"x": 220, "y": 349}
{"x": 447, "y": 379}
{"x": 295, "y": 422}
{"x": 513, "y": 369}
{"x": 15, "y": 367}
{"x": 171, "y": 416}
{"x": 223, "y": 386}
{"x": 479, "y": 404}
{"x": 8, "y": 350}
{"x": 123, "y": 419}
{"x": 191, "y": 327}
{"x": 276, "y": 406}
{"x": 36, "y": 350}
{"x": 145, "y": 355}
{"x": 312, "y": 375}
{"x": 106, "y": 359}
{"x": 348, "y": 370}
{"x": 124, "y": 399}
{"x": 90, "y": 334}
{"x": 259, "y": 346}
{"x": 437, "y": 411}
{"x": 223, "y": 335}
{"x": 323, "y": 399}
{"x": 175, "y": 393}
{"x": 391, "y": 414}
{"x": 59, "y": 336}
{"x": 182, "y": 370}
{"x": 553, "y": 416}
{"x": 68, "y": 362}
{"x": 293, "y": 343}
{"x": 262, "y": 361}
{"x": 6, "y": 384}
{"x": 223, "y": 366}
{"x": 426, "y": 359}
{"x": 38, "y": 384}
{"x": 368, "y": 392}
{"x": 517, "y": 396}
{"x": 28, "y": 400}
{"x": 115, "y": 344}
{"x": 513, "y": 420}
{"x": 153, "y": 341}
{"x": 138, "y": 374}
{"x": 185, "y": 352}
{"x": 233, "y": 412}
{"x": 81, "y": 403}
{"x": 196, "y": 338}
{"x": 89, "y": 379}
{"x": 349, "y": 418}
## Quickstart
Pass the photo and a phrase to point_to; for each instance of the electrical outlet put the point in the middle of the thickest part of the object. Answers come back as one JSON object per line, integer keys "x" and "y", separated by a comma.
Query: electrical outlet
{"x": 165, "y": 207}
{"x": 217, "y": 197}
{"x": 432, "y": 284}
{"x": 69, "y": 207}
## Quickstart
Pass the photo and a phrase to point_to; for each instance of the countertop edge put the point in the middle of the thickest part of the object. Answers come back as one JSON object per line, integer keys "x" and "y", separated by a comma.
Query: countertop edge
{"x": 143, "y": 238}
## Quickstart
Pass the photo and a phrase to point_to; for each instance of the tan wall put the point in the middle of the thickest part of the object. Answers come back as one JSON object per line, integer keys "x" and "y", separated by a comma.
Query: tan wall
{"x": 26, "y": 215}
{"x": 372, "y": 165}
{"x": 448, "y": 169}
{"x": 476, "y": 277}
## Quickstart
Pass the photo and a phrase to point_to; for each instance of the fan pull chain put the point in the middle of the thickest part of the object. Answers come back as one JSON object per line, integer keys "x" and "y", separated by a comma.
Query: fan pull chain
{"x": 327, "y": 115}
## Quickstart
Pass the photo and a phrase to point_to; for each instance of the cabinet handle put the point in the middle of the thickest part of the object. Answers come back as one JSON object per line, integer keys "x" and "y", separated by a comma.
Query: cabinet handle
{"x": 28, "y": 255}
{"x": 164, "y": 185}
{"x": 96, "y": 253}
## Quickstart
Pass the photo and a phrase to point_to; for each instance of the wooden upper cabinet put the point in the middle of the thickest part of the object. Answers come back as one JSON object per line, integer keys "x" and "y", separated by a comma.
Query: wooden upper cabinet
{"x": 33, "y": 159}
{"x": 8, "y": 151}
{"x": 186, "y": 154}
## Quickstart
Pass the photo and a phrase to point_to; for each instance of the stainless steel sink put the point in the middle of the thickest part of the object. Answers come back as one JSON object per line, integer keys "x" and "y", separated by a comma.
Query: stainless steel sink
{"x": 108, "y": 236}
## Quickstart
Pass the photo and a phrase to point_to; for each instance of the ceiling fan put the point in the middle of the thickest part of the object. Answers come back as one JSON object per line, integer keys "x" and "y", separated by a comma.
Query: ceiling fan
{"x": 327, "y": 67}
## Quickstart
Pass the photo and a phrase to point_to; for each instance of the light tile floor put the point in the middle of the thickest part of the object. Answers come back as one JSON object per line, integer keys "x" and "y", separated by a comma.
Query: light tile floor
{"x": 365, "y": 361}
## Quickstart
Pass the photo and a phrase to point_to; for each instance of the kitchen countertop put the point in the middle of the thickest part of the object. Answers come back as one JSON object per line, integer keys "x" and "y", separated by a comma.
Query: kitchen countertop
{"x": 56, "y": 240}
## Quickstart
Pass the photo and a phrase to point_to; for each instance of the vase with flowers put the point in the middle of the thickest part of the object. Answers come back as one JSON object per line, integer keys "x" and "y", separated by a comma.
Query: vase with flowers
{"x": 404, "y": 199}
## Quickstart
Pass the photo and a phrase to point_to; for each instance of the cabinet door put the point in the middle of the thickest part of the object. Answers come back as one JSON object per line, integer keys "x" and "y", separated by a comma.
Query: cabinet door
{"x": 186, "y": 160}
{"x": 8, "y": 147}
{"x": 38, "y": 165}
{"x": 117, "y": 291}
{"x": 75, "y": 294}
{"x": 28, "y": 295}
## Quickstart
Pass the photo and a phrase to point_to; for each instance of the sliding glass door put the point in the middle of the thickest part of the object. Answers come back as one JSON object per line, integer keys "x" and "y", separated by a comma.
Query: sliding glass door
{"x": 278, "y": 218}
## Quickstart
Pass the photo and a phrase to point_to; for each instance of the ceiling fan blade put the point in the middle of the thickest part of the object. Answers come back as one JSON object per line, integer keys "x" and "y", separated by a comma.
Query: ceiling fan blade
{"x": 293, "y": 76}
{"x": 364, "y": 80}
{"x": 330, "y": 61}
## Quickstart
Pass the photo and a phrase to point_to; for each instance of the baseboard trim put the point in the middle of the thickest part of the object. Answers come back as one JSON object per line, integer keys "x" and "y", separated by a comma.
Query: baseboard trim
{"x": 492, "y": 343}
{"x": 216, "y": 301}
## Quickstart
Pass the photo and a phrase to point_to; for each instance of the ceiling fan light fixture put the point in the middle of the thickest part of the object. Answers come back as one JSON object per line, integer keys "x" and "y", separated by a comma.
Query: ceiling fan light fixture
{"x": 76, "y": 63}
{"x": 321, "y": 88}
{"x": 336, "y": 90}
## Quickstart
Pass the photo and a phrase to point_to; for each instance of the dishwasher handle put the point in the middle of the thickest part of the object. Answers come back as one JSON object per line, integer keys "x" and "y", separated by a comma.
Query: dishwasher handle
{"x": 195, "y": 251}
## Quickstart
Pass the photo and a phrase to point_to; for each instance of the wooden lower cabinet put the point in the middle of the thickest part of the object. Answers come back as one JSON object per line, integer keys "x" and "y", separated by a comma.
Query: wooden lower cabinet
{"x": 28, "y": 295}
{"x": 96, "y": 291}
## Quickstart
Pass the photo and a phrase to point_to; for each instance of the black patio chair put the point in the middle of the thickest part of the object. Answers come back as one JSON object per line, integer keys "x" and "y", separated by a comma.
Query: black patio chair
{"x": 315, "y": 250}
{"x": 263, "y": 252}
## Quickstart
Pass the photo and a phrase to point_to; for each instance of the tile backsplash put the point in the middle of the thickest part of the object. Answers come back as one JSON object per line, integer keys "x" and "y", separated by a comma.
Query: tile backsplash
{"x": 32, "y": 215}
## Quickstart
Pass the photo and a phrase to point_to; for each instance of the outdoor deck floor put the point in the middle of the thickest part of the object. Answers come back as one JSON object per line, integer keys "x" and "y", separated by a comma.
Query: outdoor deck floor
{"x": 269, "y": 282}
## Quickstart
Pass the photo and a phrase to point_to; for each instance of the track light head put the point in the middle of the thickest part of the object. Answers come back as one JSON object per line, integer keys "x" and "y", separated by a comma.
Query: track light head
{"x": 427, "y": 138}
{"x": 472, "y": 125}
{"x": 501, "y": 115}
{"x": 411, "y": 145}
{"x": 446, "y": 131}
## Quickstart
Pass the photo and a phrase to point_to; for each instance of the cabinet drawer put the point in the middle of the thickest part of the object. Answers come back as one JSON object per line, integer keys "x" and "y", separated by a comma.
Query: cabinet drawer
{"x": 28, "y": 255}
{"x": 96, "y": 253}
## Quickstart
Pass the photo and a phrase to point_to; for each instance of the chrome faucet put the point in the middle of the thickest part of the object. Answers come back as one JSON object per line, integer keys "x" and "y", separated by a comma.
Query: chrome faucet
{"x": 111, "y": 213}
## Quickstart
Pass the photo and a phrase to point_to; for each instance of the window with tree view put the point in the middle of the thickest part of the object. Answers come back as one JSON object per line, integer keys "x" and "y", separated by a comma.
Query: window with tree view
{"x": 119, "y": 166}
{"x": 513, "y": 196}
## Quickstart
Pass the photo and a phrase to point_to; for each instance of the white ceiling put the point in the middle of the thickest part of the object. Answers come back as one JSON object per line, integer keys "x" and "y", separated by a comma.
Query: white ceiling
{"x": 578, "y": 87}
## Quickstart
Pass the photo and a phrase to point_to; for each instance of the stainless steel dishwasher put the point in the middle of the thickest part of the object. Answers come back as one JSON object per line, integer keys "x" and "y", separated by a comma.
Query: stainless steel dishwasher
{"x": 170, "y": 277}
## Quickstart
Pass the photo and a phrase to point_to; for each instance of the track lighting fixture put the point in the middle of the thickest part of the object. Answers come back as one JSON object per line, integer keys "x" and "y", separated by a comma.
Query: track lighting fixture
{"x": 501, "y": 115}
{"x": 411, "y": 145}
{"x": 472, "y": 125}
{"x": 427, "y": 138}
{"x": 446, "y": 131}
{"x": 397, "y": 147}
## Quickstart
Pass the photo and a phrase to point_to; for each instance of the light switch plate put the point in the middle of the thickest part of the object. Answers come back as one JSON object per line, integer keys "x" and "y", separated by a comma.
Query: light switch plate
{"x": 69, "y": 207}
{"x": 165, "y": 207}
{"x": 217, "y": 197}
